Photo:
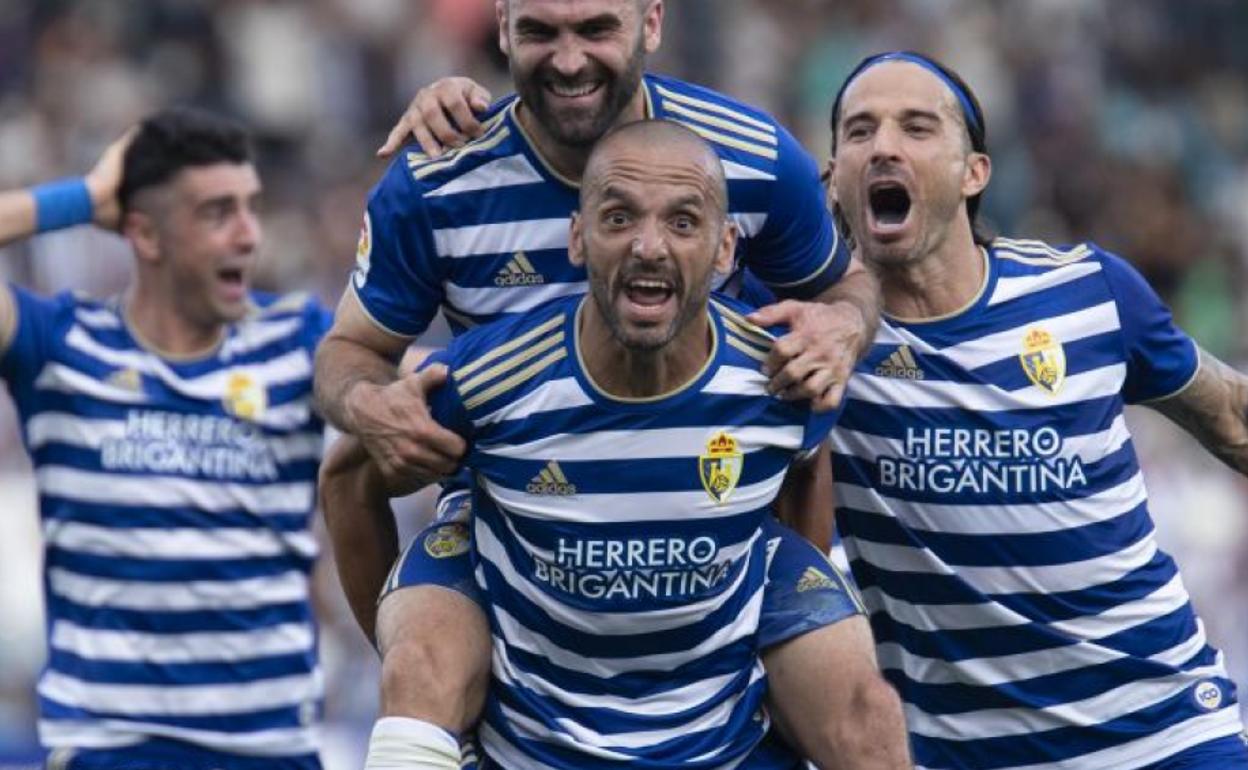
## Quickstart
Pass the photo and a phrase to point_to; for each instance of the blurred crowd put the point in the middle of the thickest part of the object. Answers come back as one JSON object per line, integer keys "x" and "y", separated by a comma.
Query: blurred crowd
{"x": 1126, "y": 125}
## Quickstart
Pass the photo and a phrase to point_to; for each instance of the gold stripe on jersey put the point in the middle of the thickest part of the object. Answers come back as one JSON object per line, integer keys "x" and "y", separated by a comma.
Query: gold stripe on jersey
{"x": 759, "y": 344}
{"x": 743, "y": 326}
{"x": 415, "y": 159}
{"x": 727, "y": 125}
{"x": 690, "y": 101}
{"x": 502, "y": 350}
{"x": 1038, "y": 253}
{"x": 517, "y": 379}
{"x": 728, "y": 141}
{"x": 506, "y": 365}
{"x": 487, "y": 142}
{"x": 836, "y": 246}
{"x": 745, "y": 347}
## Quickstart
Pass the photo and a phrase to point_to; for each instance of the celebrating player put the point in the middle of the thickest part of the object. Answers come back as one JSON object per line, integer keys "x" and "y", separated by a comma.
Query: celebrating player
{"x": 987, "y": 488}
{"x": 175, "y": 453}
{"x": 625, "y": 452}
{"x": 482, "y": 231}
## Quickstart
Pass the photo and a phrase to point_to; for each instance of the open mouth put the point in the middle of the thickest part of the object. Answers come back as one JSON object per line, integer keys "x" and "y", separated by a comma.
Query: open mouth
{"x": 648, "y": 292}
{"x": 574, "y": 90}
{"x": 233, "y": 279}
{"x": 889, "y": 202}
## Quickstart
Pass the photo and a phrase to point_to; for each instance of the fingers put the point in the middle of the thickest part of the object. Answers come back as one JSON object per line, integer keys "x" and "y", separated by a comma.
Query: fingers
{"x": 781, "y": 313}
{"x": 478, "y": 97}
{"x": 430, "y": 377}
{"x": 438, "y": 123}
{"x": 394, "y": 140}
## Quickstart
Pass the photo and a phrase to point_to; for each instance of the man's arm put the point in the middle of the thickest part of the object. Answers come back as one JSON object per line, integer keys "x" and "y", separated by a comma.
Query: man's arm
{"x": 805, "y": 501}
{"x": 1213, "y": 407}
{"x": 20, "y": 215}
{"x": 359, "y": 390}
{"x": 355, "y": 501}
{"x": 829, "y": 699}
{"x": 826, "y": 338}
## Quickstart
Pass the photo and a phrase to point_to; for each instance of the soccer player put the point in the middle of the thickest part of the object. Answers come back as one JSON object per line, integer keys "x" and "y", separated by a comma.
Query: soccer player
{"x": 988, "y": 492}
{"x": 481, "y": 232}
{"x": 175, "y": 453}
{"x": 625, "y": 452}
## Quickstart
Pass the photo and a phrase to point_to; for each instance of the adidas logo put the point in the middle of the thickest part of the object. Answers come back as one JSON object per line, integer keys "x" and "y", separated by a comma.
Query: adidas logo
{"x": 900, "y": 364}
{"x": 519, "y": 272}
{"x": 814, "y": 580}
{"x": 551, "y": 481}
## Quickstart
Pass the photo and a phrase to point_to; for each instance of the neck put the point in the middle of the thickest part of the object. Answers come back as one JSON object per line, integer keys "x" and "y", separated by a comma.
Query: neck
{"x": 624, "y": 372}
{"x": 164, "y": 328}
{"x": 569, "y": 160}
{"x": 942, "y": 282}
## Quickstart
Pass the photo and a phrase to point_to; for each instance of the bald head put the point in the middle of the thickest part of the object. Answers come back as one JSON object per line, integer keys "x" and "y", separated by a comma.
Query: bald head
{"x": 659, "y": 147}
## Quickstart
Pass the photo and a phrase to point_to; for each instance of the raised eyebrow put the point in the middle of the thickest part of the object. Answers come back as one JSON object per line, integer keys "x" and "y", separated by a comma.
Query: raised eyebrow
{"x": 613, "y": 192}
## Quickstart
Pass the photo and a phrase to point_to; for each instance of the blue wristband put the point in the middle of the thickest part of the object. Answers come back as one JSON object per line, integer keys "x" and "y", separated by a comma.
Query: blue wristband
{"x": 63, "y": 203}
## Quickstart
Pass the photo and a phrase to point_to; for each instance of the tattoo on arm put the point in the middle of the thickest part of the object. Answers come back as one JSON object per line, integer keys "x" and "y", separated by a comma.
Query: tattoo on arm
{"x": 1214, "y": 409}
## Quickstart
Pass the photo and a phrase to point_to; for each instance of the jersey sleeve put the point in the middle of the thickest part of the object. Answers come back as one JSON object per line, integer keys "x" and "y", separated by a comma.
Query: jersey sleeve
{"x": 818, "y": 426}
{"x": 1161, "y": 359}
{"x": 396, "y": 277}
{"x": 35, "y": 320}
{"x": 445, "y": 404}
{"x": 798, "y": 253}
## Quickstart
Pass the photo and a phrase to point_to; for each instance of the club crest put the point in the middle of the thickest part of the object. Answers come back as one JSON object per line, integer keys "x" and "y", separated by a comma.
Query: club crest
{"x": 1044, "y": 361}
{"x": 245, "y": 398}
{"x": 720, "y": 467}
{"x": 447, "y": 541}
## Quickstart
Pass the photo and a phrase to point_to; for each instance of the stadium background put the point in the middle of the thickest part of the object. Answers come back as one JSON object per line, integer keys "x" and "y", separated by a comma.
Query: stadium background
{"x": 1126, "y": 123}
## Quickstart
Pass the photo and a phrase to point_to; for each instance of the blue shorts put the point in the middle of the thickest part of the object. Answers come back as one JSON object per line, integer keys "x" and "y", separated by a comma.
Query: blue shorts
{"x": 163, "y": 754}
{"x": 804, "y": 590}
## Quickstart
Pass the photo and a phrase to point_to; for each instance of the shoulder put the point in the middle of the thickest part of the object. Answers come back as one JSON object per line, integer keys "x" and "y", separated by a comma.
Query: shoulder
{"x": 413, "y": 176}
{"x": 741, "y": 337}
{"x": 751, "y": 142}
{"x": 295, "y": 317}
{"x": 488, "y": 361}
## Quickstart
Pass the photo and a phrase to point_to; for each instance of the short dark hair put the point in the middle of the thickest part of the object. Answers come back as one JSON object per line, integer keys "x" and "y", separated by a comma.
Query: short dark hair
{"x": 176, "y": 138}
{"x": 972, "y": 117}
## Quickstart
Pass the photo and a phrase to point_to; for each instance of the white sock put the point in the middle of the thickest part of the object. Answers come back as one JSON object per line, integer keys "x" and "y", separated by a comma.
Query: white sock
{"x": 402, "y": 743}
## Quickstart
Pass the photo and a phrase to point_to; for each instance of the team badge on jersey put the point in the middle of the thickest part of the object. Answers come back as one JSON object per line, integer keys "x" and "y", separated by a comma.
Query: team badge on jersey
{"x": 363, "y": 252}
{"x": 127, "y": 379}
{"x": 720, "y": 467}
{"x": 245, "y": 398}
{"x": 447, "y": 540}
{"x": 1044, "y": 361}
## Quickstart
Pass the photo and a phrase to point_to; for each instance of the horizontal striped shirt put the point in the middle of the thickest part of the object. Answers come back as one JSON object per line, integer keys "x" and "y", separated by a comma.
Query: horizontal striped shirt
{"x": 619, "y": 546}
{"x": 175, "y": 499}
{"x": 482, "y": 231}
{"x": 997, "y": 523}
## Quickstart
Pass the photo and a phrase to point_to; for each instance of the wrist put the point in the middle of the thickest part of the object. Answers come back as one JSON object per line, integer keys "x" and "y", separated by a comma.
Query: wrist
{"x": 63, "y": 203}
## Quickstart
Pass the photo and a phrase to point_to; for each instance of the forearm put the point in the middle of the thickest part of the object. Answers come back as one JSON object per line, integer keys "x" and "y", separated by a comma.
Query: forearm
{"x": 859, "y": 289}
{"x": 361, "y": 528}
{"x": 1214, "y": 409}
{"x": 341, "y": 366}
{"x": 805, "y": 502}
{"x": 17, "y": 216}
{"x": 873, "y": 734}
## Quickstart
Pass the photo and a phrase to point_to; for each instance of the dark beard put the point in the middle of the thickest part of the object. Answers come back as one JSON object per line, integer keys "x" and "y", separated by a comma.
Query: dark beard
{"x": 581, "y": 129}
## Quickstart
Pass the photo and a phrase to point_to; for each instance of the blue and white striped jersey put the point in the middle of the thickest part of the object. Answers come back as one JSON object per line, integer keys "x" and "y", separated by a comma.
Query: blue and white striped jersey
{"x": 175, "y": 499}
{"x": 995, "y": 516}
{"x": 483, "y": 231}
{"x": 619, "y": 545}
